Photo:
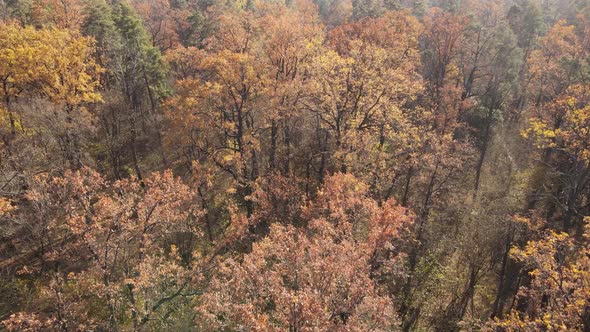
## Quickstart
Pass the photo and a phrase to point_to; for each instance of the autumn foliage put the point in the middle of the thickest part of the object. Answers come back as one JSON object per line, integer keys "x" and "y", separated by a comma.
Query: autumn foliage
{"x": 296, "y": 165}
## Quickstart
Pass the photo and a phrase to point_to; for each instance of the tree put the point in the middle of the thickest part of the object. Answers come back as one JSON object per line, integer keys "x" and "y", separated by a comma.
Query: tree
{"x": 115, "y": 251}
{"x": 164, "y": 22}
{"x": 525, "y": 20}
{"x": 555, "y": 65}
{"x": 63, "y": 14}
{"x": 241, "y": 92}
{"x": 226, "y": 103}
{"x": 358, "y": 94}
{"x": 317, "y": 277}
{"x": 16, "y": 72}
{"x": 287, "y": 35}
{"x": 57, "y": 66}
{"x": 557, "y": 298}
{"x": 134, "y": 83}
{"x": 491, "y": 63}
{"x": 564, "y": 138}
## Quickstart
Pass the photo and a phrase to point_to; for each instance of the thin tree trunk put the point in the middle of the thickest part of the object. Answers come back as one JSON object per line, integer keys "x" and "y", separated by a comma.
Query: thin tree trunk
{"x": 482, "y": 155}
{"x": 273, "y": 145}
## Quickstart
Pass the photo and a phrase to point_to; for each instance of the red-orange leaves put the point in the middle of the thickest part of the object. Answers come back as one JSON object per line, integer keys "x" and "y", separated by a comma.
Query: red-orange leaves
{"x": 318, "y": 277}
{"x": 113, "y": 249}
{"x": 300, "y": 280}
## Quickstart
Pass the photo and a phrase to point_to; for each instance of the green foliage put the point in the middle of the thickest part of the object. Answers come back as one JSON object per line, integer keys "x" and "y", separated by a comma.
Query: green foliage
{"x": 526, "y": 21}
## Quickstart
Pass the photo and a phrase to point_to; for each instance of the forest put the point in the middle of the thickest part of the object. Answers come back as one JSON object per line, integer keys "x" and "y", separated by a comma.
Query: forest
{"x": 294, "y": 165}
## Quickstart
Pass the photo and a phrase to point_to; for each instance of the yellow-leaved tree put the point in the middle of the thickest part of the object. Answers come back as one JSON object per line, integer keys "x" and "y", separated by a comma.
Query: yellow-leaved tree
{"x": 557, "y": 297}
{"x": 49, "y": 74}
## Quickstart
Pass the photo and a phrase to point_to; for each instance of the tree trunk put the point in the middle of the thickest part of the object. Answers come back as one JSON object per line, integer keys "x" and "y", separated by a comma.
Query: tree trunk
{"x": 482, "y": 154}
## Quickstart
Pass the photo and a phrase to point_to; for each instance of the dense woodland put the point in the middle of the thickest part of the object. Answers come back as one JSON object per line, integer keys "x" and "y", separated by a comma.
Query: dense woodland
{"x": 294, "y": 165}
